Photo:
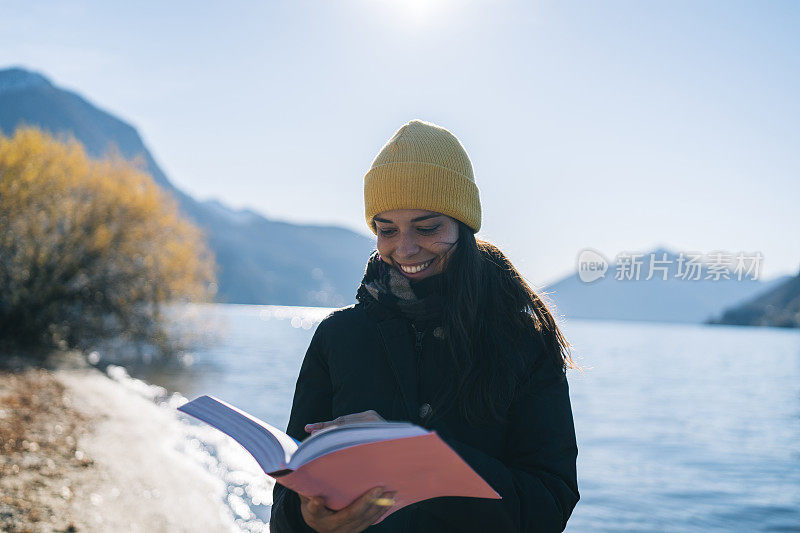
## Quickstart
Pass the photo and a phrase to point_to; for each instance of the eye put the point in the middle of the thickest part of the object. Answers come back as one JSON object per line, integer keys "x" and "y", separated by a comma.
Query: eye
{"x": 428, "y": 230}
{"x": 386, "y": 232}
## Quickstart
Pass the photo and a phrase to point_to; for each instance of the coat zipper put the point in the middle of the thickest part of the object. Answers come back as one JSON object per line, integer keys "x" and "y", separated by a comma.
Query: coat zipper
{"x": 418, "y": 335}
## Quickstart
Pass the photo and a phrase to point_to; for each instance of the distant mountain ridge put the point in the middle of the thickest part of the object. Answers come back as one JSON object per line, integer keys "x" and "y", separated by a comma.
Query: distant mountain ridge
{"x": 260, "y": 261}
{"x": 29, "y": 98}
{"x": 670, "y": 300}
{"x": 777, "y": 307}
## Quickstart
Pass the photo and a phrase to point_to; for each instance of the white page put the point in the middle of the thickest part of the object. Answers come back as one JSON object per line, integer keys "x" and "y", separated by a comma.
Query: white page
{"x": 271, "y": 447}
{"x": 340, "y": 437}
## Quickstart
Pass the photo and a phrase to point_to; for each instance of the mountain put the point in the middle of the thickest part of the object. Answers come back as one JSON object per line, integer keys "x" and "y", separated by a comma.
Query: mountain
{"x": 778, "y": 306}
{"x": 656, "y": 299}
{"x": 260, "y": 261}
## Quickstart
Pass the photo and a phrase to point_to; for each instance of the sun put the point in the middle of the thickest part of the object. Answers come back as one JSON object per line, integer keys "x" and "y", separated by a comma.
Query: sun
{"x": 416, "y": 11}
{"x": 420, "y": 8}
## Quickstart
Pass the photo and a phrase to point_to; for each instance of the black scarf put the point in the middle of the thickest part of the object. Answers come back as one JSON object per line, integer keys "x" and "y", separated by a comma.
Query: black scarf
{"x": 419, "y": 301}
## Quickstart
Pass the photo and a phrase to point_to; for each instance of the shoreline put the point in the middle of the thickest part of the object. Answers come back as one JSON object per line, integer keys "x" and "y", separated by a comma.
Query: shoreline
{"x": 81, "y": 452}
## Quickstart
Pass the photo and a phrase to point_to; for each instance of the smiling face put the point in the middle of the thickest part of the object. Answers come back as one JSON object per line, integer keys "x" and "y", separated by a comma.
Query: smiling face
{"x": 415, "y": 241}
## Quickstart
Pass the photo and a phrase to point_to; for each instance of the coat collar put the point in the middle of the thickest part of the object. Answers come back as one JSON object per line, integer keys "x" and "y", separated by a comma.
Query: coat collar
{"x": 385, "y": 286}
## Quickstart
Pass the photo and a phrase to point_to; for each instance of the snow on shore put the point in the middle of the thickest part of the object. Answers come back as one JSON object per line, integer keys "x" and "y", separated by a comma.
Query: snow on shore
{"x": 142, "y": 482}
{"x": 86, "y": 450}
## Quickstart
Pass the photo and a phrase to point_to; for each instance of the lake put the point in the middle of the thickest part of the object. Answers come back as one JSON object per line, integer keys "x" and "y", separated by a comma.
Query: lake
{"x": 680, "y": 427}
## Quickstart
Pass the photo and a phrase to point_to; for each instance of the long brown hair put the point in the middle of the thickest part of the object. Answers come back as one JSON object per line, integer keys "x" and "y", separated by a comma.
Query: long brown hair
{"x": 488, "y": 306}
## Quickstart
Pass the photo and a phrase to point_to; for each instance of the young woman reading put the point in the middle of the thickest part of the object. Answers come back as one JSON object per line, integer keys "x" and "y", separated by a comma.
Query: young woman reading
{"x": 446, "y": 334}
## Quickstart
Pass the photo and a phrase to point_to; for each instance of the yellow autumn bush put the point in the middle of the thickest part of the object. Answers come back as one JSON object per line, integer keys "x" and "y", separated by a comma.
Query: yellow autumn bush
{"x": 89, "y": 249}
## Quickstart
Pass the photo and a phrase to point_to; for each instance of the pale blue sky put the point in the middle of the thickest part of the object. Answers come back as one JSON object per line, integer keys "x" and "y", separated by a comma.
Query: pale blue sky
{"x": 612, "y": 125}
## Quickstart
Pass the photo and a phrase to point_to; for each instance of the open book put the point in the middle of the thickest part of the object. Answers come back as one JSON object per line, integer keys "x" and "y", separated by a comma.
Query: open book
{"x": 343, "y": 462}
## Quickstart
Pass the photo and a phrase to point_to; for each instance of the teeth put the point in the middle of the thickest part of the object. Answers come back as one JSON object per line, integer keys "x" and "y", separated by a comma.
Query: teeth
{"x": 415, "y": 269}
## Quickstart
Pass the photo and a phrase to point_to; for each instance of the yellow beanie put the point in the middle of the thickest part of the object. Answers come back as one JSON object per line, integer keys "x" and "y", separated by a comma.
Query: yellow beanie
{"x": 425, "y": 167}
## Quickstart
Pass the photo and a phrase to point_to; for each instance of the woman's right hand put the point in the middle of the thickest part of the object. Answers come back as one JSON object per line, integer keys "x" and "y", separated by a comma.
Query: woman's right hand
{"x": 356, "y": 517}
{"x": 364, "y": 416}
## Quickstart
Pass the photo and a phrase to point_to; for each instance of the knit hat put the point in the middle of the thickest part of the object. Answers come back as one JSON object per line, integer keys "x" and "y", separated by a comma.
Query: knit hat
{"x": 423, "y": 166}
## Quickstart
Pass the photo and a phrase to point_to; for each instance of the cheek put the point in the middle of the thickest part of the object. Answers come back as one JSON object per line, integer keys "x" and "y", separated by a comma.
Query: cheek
{"x": 444, "y": 241}
{"x": 383, "y": 247}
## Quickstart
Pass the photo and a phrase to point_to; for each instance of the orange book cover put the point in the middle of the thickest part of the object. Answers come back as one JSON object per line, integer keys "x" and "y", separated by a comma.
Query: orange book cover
{"x": 341, "y": 463}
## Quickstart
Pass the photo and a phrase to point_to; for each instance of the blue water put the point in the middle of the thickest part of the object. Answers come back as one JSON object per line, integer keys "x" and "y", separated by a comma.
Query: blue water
{"x": 680, "y": 427}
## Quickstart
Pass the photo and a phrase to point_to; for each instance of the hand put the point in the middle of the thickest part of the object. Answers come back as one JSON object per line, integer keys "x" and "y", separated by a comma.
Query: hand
{"x": 364, "y": 416}
{"x": 356, "y": 517}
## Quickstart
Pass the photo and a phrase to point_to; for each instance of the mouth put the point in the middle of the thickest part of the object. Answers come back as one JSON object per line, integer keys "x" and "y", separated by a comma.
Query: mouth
{"x": 415, "y": 269}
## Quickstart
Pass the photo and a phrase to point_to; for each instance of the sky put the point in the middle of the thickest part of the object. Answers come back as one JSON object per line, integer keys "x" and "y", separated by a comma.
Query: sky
{"x": 617, "y": 126}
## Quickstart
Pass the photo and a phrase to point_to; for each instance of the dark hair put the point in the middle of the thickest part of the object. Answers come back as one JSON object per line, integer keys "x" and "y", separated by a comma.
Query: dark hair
{"x": 488, "y": 305}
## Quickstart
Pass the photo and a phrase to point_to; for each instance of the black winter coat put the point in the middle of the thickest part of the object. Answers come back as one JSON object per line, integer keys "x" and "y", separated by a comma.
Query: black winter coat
{"x": 363, "y": 357}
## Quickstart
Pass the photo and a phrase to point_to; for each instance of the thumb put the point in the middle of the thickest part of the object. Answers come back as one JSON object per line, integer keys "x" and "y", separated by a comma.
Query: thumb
{"x": 317, "y": 506}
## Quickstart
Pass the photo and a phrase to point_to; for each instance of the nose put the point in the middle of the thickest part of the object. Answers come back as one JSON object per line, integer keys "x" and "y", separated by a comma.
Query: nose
{"x": 407, "y": 246}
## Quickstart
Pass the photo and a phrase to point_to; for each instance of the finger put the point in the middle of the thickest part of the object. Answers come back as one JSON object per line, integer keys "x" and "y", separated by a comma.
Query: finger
{"x": 385, "y": 500}
{"x": 323, "y": 423}
{"x": 345, "y": 419}
{"x": 317, "y": 508}
{"x": 355, "y": 510}
{"x": 369, "y": 416}
{"x": 376, "y": 511}
{"x": 318, "y": 426}
{"x": 307, "y": 510}
{"x": 328, "y": 423}
{"x": 314, "y": 432}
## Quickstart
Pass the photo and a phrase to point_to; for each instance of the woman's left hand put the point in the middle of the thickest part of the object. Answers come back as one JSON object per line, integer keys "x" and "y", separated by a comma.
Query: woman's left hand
{"x": 364, "y": 416}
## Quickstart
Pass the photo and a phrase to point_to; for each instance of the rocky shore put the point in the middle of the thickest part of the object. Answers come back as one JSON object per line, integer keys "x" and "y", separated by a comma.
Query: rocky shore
{"x": 79, "y": 452}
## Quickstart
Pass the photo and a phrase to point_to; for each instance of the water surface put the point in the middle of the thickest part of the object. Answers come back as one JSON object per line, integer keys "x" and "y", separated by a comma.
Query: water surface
{"x": 680, "y": 427}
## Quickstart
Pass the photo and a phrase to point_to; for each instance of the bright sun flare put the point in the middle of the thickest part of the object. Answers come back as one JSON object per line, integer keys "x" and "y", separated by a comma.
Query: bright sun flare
{"x": 417, "y": 10}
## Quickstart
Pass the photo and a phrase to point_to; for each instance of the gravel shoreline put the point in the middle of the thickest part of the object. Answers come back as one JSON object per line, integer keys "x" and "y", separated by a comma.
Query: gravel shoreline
{"x": 79, "y": 452}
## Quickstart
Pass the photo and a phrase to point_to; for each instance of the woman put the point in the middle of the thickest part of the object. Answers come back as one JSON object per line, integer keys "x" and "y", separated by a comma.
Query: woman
{"x": 446, "y": 334}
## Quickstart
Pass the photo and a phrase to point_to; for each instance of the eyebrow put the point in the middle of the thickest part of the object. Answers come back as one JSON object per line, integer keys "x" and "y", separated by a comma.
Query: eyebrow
{"x": 418, "y": 219}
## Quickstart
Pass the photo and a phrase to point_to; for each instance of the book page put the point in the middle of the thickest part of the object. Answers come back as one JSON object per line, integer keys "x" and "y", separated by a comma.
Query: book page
{"x": 340, "y": 437}
{"x": 271, "y": 447}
